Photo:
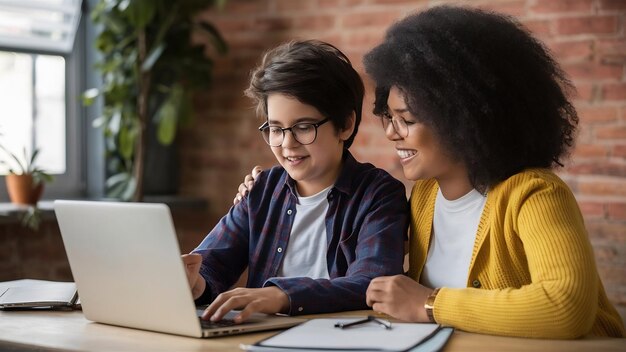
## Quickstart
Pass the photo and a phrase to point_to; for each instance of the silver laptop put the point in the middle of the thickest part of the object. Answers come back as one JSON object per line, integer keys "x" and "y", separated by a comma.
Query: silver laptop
{"x": 128, "y": 271}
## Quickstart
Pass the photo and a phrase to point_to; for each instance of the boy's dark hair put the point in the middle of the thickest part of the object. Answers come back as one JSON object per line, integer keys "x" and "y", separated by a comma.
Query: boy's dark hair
{"x": 491, "y": 92}
{"x": 315, "y": 73}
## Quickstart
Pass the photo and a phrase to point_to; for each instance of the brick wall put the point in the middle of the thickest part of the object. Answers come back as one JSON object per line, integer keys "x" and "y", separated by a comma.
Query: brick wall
{"x": 586, "y": 36}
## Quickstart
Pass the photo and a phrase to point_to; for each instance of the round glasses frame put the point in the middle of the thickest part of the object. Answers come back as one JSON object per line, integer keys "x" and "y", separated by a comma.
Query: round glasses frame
{"x": 274, "y": 142}
{"x": 399, "y": 124}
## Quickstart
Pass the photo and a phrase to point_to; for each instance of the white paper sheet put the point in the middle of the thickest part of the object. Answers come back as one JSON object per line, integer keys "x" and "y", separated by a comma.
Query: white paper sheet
{"x": 322, "y": 334}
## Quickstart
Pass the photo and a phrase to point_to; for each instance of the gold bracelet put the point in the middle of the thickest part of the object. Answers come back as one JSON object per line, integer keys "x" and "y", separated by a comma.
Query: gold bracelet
{"x": 430, "y": 305}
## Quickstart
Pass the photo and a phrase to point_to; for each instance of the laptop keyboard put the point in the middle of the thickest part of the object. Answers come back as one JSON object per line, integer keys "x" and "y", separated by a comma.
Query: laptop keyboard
{"x": 207, "y": 324}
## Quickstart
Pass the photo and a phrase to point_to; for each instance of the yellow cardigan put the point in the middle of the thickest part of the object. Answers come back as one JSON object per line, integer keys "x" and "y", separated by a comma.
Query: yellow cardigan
{"x": 532, "y": 272}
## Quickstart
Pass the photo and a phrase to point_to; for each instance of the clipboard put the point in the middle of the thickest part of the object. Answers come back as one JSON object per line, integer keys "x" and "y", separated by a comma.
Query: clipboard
{"x": 322, "y": 335}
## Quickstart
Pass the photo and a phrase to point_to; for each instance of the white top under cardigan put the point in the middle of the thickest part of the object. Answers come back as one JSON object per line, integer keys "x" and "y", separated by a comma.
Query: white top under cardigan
{"x": 454, "y": 231}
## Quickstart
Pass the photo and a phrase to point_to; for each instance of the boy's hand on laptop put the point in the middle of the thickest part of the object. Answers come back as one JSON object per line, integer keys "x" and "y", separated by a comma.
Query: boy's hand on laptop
{"x": 192, "y": 263}
{"x": 268, "y": 300}
{"x": 248, "y": 183}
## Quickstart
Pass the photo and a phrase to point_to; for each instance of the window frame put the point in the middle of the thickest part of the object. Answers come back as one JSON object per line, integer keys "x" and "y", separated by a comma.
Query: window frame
{"x": 70, "y": 184}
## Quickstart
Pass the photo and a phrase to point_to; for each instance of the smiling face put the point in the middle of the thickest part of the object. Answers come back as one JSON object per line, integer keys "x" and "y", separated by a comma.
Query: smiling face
{"x": 314, "y": 166}
{"x": 421, "y": 154}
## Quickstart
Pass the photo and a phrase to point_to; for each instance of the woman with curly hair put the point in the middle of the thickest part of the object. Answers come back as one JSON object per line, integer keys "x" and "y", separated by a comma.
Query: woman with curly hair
{"x": 479, "y": 114}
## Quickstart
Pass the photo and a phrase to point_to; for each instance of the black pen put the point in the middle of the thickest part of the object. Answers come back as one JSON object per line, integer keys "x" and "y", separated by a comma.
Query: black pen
{"x": 383, "y": 323}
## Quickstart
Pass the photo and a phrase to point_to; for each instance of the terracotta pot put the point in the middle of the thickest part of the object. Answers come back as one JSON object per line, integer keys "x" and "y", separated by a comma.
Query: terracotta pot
{"x": 21, "y": 190}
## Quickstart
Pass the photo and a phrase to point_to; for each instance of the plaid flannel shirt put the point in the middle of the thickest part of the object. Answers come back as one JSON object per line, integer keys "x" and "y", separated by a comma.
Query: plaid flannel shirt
{"x": 366, "y": 227}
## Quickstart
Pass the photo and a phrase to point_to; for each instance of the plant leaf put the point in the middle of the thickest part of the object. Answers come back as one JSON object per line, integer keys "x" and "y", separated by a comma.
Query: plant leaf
{"x": 90, "y": 95}
{"x": 139, "y": 12}
{"x": 31, "y": 163}
{"x": 98, "y": 122}
{"x": 167, "y": 123}
{"x": 214, "y": 35}
{"x": 167, "y": 116}
{"x": 115, "y": 122}
{"x": 121, "y": 185}
{"x": 127, "y": 139}
{"x": 131, "y": 186}
{"x": 154, "y": 55}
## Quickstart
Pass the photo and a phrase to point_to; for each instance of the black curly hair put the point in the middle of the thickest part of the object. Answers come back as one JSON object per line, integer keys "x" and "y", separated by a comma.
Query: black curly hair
{"x": 492, "y": 93}
{"x": 314, "y": 72}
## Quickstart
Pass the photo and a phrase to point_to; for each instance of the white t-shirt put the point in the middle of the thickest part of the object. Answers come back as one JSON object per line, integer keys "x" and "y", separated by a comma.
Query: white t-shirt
{"x": 454, "y": 231}
{"x": 305, "y": 255}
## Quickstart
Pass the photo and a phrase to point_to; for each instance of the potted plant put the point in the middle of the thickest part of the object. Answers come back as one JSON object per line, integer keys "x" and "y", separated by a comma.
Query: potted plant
{"x": 25, "y": 181}
{"x": 150, "y": 69}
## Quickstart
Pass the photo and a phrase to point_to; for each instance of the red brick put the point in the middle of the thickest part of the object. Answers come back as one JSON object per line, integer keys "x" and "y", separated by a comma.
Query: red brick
{"x": 594, "y": 114}
{"x": 227, "y": 25}
{"x": 314, "y": 23}
{"x": 607, "y": 230}
{"x": 590, "y": 151}
{"x": 325, "y": 4}
{"x": 611, "y": 132}
{"x": 593, "y": 71}
{"x": 587, "y": 25}
{"x": 612, "y": 4}
{"x": 598, "y": 168}
{"x": 585, "y": 92}
{"x": 611, "y": 51}
{"x": 601, "y": 187}
{"x": 614, "y": 91}
{"x": 290, "y": 5}
{"x": 619, "y": 151}
{"x": 509, "y": 7}
{"x": 332, "y": 38}
{"x": 617, "y": 211}
{"x": 370, "y": 19}
{"x": 561, "y": 6}
{"x": 592, "y": 210}
{"x": 388, "y": 2}
{"x": 611, "y": 46}
{"x": 264, "y": 24}
{"x": 541, "y": 28}
{"x": 606, "y": 253}
{"x": 363, "y": 39}
{"x": 614, "y": 273}
{"x": 246, "y": 6}
{"x": 354, "y": 3}
{"x": 572, "y": 50}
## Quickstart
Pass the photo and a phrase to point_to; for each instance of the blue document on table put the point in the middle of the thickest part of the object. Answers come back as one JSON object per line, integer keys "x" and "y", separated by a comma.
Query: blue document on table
{"x": 322, "y": 335}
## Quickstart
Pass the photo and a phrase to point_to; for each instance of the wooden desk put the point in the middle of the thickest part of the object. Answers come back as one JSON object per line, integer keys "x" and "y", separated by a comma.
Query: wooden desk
{"x": 70, "y": 331}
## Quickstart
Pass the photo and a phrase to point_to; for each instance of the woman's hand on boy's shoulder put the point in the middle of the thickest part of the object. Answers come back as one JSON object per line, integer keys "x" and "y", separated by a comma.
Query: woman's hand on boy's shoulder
{"x": 248, "y": 183}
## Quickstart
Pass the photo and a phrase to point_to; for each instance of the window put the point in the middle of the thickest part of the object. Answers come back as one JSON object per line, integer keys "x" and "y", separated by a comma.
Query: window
{"x": 33, "y": 112}
{"x": 41, "y": 77}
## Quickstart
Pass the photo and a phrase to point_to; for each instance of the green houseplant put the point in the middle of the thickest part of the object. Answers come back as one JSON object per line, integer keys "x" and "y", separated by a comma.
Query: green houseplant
{"x": 150, "y": 69}
{"x": 25, "y": 182}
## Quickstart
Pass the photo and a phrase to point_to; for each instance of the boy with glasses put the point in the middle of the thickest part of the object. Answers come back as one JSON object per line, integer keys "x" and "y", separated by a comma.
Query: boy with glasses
{"x": 316, "y": 229}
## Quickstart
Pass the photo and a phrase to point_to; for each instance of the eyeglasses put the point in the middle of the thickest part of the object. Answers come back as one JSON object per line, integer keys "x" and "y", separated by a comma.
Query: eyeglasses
{"x": 399, "y": 124}
{"x": 370, "y": 318}
{"x": 303, "y": 132}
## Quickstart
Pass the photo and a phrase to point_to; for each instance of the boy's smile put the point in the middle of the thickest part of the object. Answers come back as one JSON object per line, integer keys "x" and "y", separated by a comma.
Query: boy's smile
{"x": 314, "y": 166}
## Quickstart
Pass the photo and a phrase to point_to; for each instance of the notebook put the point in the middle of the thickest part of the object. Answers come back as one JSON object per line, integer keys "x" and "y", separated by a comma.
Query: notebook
{"x": 38, "y": 294}
{"x": 126, "y": 264}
